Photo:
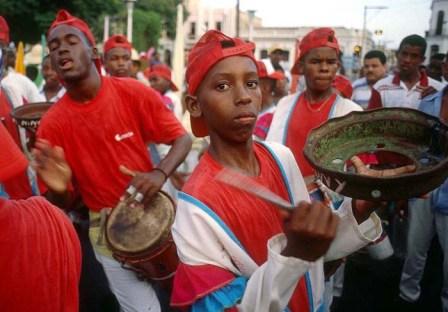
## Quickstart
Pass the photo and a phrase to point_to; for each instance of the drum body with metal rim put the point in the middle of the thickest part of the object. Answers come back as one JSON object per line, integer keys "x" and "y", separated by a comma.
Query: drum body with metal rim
{"x": 141, "y": 238}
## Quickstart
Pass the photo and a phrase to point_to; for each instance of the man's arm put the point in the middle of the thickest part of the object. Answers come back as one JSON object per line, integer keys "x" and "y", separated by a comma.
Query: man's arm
{"x": 145, "y": 184}
{"x": 53, "y": 170}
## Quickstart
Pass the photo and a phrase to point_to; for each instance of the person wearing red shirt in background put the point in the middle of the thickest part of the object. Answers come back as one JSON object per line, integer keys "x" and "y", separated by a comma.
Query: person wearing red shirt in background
{"x": 117, "y": 56}
{"x": 19, "y": 186}
{"x": 159, "y": 76}
{"x": 40, "y": 261}
{"x": 97, "y": 135}
{"x": 298, "y": 113}
{"x": 268, "y": 95}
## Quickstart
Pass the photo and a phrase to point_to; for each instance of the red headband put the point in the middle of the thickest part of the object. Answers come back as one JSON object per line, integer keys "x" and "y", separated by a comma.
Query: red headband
{"x": 117, "y": 41}
{"x": 163, "y": 71}
{"x": 65, "y": 18}
{"x": 263, "y": 72}
{"x": 317, "y": 38}
{"x": 4, "y": 30}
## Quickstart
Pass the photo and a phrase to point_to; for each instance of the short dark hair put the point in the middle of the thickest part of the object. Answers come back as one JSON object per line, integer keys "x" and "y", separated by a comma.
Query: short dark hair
{"x": 414, "y": 40}
{"x": 437, "y": 56}
{"x": 376, "y": 54}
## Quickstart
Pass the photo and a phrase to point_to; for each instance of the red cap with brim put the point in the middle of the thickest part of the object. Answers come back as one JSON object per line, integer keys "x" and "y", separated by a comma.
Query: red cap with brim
{"x": 12, "y": 161}
{"x": 4, "y": 30}
{"x": 317, "y": 38}
{"x": 117, "y": 41}
{"x": 211, "y": 48}
{"x": 163, "y": 71}
{"x": 65, "y": 18}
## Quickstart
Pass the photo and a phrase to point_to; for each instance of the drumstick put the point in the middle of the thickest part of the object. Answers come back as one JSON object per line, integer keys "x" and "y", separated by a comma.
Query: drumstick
{"x": 245, "y": 183}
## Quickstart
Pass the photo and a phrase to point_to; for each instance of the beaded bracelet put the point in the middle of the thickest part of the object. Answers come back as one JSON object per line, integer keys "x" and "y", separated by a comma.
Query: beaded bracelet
{"x": 163, "y": 172}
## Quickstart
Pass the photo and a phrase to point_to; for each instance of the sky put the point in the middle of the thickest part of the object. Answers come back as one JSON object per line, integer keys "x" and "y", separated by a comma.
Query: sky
{"x": 399, "y": 19}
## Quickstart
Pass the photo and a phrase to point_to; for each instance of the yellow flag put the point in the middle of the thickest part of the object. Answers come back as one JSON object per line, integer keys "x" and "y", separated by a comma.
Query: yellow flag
{"x": 20, "y": 56}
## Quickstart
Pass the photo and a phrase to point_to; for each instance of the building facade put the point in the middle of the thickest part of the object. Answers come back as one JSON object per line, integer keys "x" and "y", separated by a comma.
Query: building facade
{"x": 437, "y": 35}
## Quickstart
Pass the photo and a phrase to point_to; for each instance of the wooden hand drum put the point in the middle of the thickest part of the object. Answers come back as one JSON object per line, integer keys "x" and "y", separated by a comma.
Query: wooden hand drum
{"x": 141, "y": 238}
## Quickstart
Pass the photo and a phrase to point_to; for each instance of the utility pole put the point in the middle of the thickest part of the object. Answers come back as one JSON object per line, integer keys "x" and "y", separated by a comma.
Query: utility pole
{"x": 237, "y": 18}
{"x": 364, "y": 26}
{"x": 130, "y": 7}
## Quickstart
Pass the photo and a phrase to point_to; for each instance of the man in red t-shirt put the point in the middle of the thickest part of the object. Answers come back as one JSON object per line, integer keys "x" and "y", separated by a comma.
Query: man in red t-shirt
{"x": 96, "y": 137}
{"x": 40, "y": 261}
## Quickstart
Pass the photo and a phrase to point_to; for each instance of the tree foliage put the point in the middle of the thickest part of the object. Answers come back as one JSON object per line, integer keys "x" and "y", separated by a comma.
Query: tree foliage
{"x": 28, "y": 19}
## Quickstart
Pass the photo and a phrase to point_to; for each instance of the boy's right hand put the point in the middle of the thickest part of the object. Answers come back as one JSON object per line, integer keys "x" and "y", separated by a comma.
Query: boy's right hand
{"x": 51, "y": 166}
{"x": 310, "y": 229}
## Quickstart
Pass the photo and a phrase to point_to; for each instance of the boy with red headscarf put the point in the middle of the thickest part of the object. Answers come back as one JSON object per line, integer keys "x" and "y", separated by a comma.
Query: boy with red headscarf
{"x": 99, "y": 131}
{"x": 237, "y": 251}
{"x": 117, "y": 56}
{"x": 40, "y": 261}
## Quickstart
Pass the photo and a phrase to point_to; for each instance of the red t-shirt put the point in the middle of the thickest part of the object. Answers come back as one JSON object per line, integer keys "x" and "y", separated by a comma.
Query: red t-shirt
{"x": 304, "y": 118}
{"x": 19, "y": 186}
{"x": 253, "y": 220}
{"x": 40, "y": 262}
{"x": 110, "y": 130}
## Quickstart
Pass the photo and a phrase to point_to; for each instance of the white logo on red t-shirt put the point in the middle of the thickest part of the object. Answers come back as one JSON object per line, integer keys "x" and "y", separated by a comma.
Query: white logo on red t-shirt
{"x": 121, "y": 137}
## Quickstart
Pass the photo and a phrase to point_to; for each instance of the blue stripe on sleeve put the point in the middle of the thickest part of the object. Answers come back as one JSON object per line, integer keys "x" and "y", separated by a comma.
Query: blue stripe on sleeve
{"x": 223, "y": 298}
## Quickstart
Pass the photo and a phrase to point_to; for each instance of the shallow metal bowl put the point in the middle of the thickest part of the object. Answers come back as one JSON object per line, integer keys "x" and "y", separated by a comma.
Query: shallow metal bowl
{"x": 411, "y": 135}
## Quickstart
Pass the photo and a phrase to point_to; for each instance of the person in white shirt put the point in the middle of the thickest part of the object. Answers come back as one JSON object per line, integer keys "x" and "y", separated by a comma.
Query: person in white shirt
{"x": 410, "y": 84}
{"x": 374, "y": 69}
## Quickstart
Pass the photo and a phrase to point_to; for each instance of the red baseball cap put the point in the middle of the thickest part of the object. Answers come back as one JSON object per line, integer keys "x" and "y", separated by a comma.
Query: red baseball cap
{"x": 317, "y": 38}
{"x": 117, "y": 41}
{"x": 63, "y": 17}
{"x": 12, "y": 160}
{"x": 263, "y": 73}
{"x": 211, "y": 48}
{"x": 161, "y": 70}
{"x": 343, "y": 85}
{"x": 4, "y": 30}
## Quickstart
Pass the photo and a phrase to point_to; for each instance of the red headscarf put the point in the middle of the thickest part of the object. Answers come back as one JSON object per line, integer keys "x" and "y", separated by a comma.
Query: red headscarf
{"x": 12, "y": 161}
{"x": 317, "y": 38}
{"x": 211, "y": 48}
{"x": 343, "y": 85}
{"x": 4, "y": 30}
{"x": 263, "y": 72}
{"x": 117, "y": 41}
{"x": 161, "y": 70}
{"x": 65, "y": 18}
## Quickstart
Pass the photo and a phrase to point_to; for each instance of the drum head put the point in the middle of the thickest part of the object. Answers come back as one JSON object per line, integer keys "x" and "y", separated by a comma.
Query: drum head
{"x": 133, "y": 230}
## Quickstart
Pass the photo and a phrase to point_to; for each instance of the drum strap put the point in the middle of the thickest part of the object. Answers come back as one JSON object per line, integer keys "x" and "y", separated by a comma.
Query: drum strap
{"x": 101, "y": 222}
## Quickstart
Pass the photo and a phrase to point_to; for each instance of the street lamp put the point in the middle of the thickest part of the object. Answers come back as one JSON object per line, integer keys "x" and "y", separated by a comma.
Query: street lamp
{"x": 364, "y": 27}
{"x": 251, "y": 14}
{"x": 130, "y": 7}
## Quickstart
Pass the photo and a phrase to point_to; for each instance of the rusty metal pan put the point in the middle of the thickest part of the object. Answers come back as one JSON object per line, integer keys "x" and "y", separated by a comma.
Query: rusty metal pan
{"x": 404, "y": 135}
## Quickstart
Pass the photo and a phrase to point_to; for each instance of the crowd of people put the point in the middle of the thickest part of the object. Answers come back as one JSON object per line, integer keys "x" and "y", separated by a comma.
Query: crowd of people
{"x": 108, "y": 138}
